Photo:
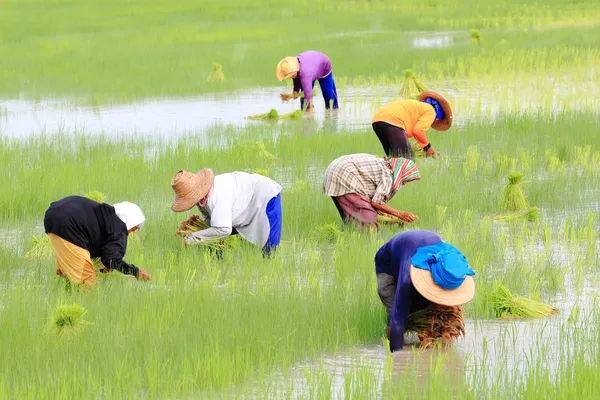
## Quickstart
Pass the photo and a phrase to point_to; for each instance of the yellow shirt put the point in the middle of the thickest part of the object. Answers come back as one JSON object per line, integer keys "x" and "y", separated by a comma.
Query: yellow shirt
{"x": 415, "y": 117}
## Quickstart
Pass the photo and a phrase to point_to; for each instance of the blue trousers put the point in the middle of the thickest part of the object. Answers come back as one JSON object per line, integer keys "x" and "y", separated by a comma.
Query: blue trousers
{"x": 275, "y": 220}
{"x": 329, "y": 92}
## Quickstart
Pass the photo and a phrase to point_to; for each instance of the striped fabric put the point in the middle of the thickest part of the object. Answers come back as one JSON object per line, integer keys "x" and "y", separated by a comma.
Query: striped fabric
{"x": 403, "y": 171}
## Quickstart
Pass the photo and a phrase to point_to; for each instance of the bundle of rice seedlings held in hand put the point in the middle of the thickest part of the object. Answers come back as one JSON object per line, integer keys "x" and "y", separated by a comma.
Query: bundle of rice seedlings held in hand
{"x": 531, "y": 214}
{"x": 505, "y": 305}
{"x": 513, "y": 198}
{"x": 412, "y": 86}
{"x": 196, "y": 223}
{"x": 437, "y": 324}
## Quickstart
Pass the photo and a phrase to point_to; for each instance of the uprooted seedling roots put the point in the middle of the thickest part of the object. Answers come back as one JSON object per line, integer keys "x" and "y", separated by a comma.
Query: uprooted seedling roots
{"x": 437, "y": 324}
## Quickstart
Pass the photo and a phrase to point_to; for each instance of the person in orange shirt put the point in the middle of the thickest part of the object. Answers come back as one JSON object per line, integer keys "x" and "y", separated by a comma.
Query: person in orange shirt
{"x": 395, "y": 122}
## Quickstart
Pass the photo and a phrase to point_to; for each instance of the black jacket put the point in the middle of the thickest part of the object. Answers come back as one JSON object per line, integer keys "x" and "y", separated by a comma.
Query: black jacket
{"x": 92, "y": 226}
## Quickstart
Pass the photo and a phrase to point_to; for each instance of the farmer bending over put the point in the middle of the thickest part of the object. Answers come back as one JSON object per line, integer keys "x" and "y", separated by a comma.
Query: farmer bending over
{"x": 360, "y": 185}
{"x": 305, "y": 69}
{"x": 237, "y": 202}
{"x": 395, "y": 122}
{"x": 415, "y": 269}
{"x": 80, "y": 228}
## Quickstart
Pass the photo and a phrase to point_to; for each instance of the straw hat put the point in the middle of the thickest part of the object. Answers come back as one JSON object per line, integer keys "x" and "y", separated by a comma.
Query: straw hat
{"x": 287, "y": 67}
{"x": 190, "y": 188}
{"x": 444, "y": 124}
{"x": 423, "y": 282}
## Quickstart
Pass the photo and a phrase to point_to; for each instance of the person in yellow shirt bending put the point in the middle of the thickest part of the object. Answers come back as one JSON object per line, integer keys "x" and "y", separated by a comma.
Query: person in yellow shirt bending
{"x": 397, "y": 121}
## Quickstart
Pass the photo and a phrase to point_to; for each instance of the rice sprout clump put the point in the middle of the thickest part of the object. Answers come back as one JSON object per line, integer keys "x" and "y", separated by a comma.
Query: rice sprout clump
{"x": 531, "y": 214}
{"x": 475, "y": 36}
{"x": 504, "y": 305}
{"x": 217, "y": 74}
{"x": 196, "y": 223}
{"x": 328, "y": 232}
{"x": 97, "y": 196}
{"x": 41, "y": 248}
{"x": 272, "y": 115}
{"x": 68, "y": 319}
{"x": 412, "y": 86}
{"x": 513, "y": 198}
{"x": 437, "y": 324}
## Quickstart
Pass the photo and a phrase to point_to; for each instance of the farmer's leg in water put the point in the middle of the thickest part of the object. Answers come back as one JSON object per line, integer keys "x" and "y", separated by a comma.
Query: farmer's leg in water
{"x": 357, "y": 208}
{"x": 302, "y": 106}
{"x": 275, "y": 222}
{"x": 329, "y": 92}
{"x": 394, "y": 140}
{"x": 386, "y": 288}
{"x": 73, "y": 262}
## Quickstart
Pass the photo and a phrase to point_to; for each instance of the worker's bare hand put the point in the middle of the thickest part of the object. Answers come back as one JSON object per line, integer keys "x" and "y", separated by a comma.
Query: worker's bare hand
{"x": 142, "y": 275}
{"x": 406, "y": 216}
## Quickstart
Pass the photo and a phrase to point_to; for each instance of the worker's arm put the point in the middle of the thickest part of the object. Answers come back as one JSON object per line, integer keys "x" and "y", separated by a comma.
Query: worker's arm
{"x": 421, "y": 126}
{"x": 221, "y": 219}
{"x": 383, "y": 209}
{"x": 307, "y": 88}
{"x": 112, "y": 257}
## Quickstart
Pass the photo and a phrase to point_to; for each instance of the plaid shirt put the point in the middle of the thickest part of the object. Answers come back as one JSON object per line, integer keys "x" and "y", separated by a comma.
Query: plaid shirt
{"x": 359, "y": 173}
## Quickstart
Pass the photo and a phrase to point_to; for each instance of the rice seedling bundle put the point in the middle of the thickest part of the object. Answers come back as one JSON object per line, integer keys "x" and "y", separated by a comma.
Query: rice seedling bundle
{"x": 504, "y": 305}
{"x": 68, "y": 320}
{"x": 437, "y": 324}
{"x": 475, "y": 36}
{"x": 513, "y": 198}
{"x": 328, "y": 232}
{"x": 273, "y": 115}
{"x": 96, "y": 196}
{"x": 389, "y": 219}
{"x": 265, "y": 155}
{"x": 196, "y": 223}
{"x": 40, "y": 249}
{"x": 217, "y": 74}
{"x": 531, "y": 214}
{"x": 412, "y": 86}
{"x": 418, "y": 150}
{"x": 299, "y": 187}
{"x": 285, "y": 97}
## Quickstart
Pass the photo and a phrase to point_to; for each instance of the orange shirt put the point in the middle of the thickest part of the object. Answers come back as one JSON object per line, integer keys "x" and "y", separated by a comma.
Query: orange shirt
{"x": 415, "y": 117}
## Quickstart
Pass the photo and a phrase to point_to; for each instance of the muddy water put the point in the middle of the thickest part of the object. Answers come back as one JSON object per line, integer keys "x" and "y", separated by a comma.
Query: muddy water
{"x": 172, "y": 118}
{"x": 493, "y": 351}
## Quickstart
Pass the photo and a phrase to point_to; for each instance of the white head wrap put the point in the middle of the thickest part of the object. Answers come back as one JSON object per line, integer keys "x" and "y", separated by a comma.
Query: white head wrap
{"x": 130, "y": 214}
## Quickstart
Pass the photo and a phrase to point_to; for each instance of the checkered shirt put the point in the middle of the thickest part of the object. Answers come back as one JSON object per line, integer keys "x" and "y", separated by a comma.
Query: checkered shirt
{"x": 359, "y": 173}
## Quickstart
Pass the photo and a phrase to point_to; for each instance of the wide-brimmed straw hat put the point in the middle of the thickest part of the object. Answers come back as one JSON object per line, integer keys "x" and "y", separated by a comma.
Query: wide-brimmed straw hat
{"x": 286, "y": 67}
{"x": 443, "y": 124}
{"x": 190, "y": 188}
{"x": 422, "y": 280}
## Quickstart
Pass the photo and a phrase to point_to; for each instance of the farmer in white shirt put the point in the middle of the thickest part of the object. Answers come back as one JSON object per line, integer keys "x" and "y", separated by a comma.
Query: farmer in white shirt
{"x": 250, "y": 204}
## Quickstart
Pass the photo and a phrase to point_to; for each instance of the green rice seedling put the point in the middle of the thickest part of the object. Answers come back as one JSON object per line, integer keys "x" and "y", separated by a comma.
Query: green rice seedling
{"x": 328, "y": 232}
{"x": 531, "y": 214}
{"x": 475, "y": 36}
{"x": 418, "y": 150}
{"x": 472, "y": 161}
{"x": 513, "y": 198}
{"x": 504, "y": 305}
{"x": 40, "y": 249}
{"x": 292, "y": 115}
{"x": 96, "y": 196}
{"x": 261, "y": 171}
{"x": 196, "y": 223}
{"x": 553, "y": 162}
{"x": 260, "y": 150}
{"x": 217, "y": 74}
{"x": 68, "y": 320}
{"x": 272, "y": 115}
{"x": 412, "y": 86}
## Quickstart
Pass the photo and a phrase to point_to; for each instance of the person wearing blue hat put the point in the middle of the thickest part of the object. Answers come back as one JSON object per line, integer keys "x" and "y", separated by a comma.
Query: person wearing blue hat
{"x": 398, "y": 121}
{"x": 416, "y": 269}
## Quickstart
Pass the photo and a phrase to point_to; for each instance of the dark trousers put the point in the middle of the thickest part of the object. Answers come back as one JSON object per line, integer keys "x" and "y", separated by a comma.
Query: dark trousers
{"x": 394, "y": 140}
{"x": 386, "y": 289}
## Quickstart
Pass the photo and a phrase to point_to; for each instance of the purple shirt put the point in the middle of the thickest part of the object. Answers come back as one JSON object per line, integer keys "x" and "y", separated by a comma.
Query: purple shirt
{"x": 313, "y": 66}
{"x": 393, "y": 258}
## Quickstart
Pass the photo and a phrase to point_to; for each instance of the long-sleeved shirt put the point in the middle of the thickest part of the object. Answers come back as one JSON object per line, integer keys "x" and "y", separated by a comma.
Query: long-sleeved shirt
{"x": 239, "y": 200}
{"x": 393, "y": 258}
{"x": 413, "y": 116}
{"x": 359, "y": 173}
{"x": 313, "y": 66}
{"x": 92, "y": 226}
